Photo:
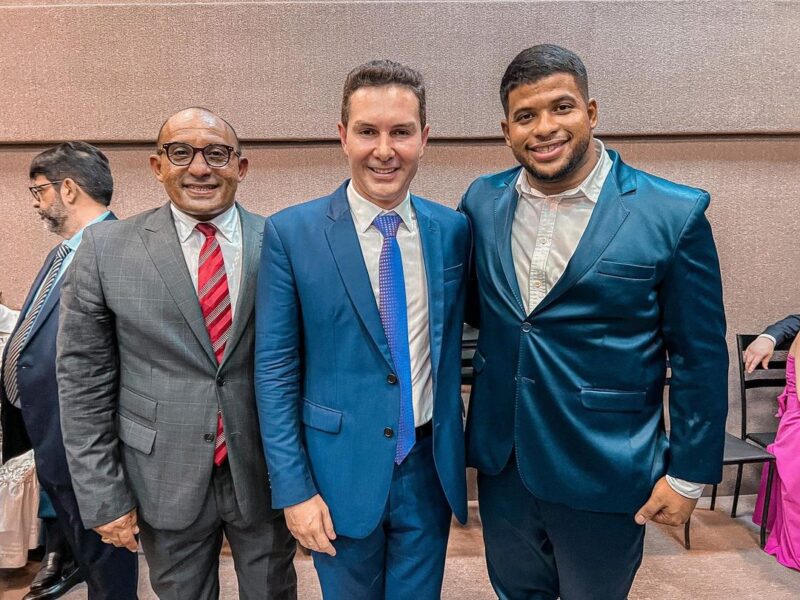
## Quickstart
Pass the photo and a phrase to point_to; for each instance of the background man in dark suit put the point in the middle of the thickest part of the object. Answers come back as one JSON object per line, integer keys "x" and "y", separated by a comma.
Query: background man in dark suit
{"x": 761, "y": 348}
{"x": 156, "y": 376}
{"x": 588, "y": 274}
{"x": 72, "y": 188}
{"x": 358, "y": 353}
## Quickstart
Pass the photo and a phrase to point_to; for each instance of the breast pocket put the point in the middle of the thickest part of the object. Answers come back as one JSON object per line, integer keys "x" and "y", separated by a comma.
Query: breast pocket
{"x": 625, "y": 270}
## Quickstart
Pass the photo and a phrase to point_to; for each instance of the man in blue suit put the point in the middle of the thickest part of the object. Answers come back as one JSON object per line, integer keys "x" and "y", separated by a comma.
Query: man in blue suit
{"x": 72, "y": 188}
{"x": 358, "y": 329}
{"x": 760, "y": 349}
{"x": 588, "y": 274}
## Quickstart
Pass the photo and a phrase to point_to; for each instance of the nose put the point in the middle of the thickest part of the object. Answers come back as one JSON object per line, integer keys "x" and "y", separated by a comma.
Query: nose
{"x": 384, "y": 148}
{"x": 199, "y": 167}
{"x": 546, "y": 124}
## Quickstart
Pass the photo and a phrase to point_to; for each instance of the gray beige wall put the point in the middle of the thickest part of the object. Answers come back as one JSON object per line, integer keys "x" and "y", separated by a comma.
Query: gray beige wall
{"x": 700, "y": 92}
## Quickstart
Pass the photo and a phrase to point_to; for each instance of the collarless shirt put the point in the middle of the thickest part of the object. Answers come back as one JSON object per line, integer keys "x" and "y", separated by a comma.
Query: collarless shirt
{"x": 371, "y": 241}
{"x": 229, "y": 238}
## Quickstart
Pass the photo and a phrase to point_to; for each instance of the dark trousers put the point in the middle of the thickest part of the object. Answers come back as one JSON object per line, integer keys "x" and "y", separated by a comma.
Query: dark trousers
{"x": 184, "y": 564}
{"x": 403, "y": 558}
{"x": 110, "y": 573}
{"x": 542, "y": 550}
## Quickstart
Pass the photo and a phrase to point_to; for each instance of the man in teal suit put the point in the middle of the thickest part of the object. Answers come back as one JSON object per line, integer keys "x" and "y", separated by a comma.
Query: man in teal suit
{"x": 359, "y": 313}
{"x": 588, "y": 275}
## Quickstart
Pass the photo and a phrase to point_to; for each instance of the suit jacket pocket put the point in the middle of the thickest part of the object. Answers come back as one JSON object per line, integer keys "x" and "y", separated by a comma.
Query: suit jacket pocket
{"x": 135, "y": 434}
{"x": 613, "y": 400}
{"x": 321, "y": 417}
{"x": 453, "y": 273}
{"x": 624, "y": 270}
{"x": 137, "y": 404}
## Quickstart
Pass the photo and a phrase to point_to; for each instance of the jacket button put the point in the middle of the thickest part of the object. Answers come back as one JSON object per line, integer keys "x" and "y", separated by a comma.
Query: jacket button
{"x": 220, "y": 381}
{"x": 391, "y": 378}
{"x": 526, "y": 327}
{"x": 209, "y": 437}
{"x": 388, "y": 432}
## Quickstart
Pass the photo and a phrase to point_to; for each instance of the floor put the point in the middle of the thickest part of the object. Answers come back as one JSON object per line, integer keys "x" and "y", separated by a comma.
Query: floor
{"x": 725, "y": 562}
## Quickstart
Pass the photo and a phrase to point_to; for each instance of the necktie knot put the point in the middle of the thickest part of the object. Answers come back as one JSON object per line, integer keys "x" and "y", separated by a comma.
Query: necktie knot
{"x": 207, "y": 229}
{"x": 63, "y": 250}
{"x": 388, "y": 224}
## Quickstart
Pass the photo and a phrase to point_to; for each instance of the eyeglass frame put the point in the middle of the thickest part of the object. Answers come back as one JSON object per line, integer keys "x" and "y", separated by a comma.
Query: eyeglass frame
{"x": 36, "y": 190}
{"x": 231, "y": 151}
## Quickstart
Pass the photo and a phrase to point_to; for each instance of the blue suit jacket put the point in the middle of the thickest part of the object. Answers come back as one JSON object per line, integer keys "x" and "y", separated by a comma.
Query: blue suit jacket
{"x": 785, "y": 329}
{"x": 576, "y": 386}
{"x": 36, "y": 378}
{"x": 322, "y": 361}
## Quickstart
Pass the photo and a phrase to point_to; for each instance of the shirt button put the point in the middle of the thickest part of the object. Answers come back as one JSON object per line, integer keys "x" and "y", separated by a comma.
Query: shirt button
{"x": 542, "y": 241}
{"x": 526, "y": 327}
{"x": 391, "y": 378}
{"x": 388, "y": 432}
{"x": 537, "y": 284}
{"x": 209, "y": 437}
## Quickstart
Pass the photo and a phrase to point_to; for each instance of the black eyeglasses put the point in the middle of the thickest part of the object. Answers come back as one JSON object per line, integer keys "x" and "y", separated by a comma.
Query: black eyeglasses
{"x": 36, "y": 190}
{"x": 181, "y": 154}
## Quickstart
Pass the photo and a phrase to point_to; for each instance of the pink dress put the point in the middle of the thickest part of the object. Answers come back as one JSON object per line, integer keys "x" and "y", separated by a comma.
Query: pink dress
{"x": 784, "y": 507}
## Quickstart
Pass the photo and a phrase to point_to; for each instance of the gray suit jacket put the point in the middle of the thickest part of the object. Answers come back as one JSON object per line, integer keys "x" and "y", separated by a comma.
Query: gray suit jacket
{"x": 138, "y": 382}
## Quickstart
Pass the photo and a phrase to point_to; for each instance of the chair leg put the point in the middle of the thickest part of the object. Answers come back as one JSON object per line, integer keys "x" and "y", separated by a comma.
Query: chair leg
{"x": 686, "y": 541}
{"x": 765, "y": 509}
{"x": 713, "y": 497}
{"x": 738, "y": 487}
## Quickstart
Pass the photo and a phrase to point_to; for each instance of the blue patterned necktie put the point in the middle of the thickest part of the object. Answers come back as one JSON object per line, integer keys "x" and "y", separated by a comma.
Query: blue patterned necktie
{"x": 20, "y": 337}
{"x": 394, "y": 318}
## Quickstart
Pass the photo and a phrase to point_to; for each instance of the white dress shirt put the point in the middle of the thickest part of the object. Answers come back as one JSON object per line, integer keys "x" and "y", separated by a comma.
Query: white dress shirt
{"x": 371, "y": 241}
{"x": 229, "y": 237}
{"x": 545, "y": 232}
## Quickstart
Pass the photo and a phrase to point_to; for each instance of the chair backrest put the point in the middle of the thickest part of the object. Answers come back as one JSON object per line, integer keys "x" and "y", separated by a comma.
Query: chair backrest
{"x": 774, "y": 376}
{"x": 469, "y": 343}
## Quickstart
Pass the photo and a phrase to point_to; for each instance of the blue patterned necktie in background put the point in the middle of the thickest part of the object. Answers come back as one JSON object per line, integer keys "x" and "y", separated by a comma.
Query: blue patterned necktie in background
{"x": 17, "y": 342}
{"x": 394, "y": 318}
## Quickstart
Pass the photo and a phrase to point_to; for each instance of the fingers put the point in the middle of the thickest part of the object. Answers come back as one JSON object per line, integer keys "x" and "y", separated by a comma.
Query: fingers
{"x": 310, "y": 523}
{"x": 651, "y": 508}
{"x": 765, "y": 362}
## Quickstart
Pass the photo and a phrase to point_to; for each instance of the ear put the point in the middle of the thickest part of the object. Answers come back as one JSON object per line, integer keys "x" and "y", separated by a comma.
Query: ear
{"x": 342, "y": 128}
{"x": 591, "y": 109}
{"x": 155, "y": 166}
{"x": 425, "y": 133}
{"x": 504, "y": 127}
{"x": 244, "y": 164}
{"x": 69, "y": 191}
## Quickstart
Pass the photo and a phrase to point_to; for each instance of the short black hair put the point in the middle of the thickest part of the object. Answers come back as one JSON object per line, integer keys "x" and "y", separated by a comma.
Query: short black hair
{"x": 376, "y": 73}
{"x": 538, "y": 62}
{"x": 83, "y": 163}
{"x": 238, "y": 147}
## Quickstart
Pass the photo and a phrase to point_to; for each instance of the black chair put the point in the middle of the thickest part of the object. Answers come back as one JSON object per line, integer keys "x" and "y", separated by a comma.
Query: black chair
{"x": 469, "y": 343}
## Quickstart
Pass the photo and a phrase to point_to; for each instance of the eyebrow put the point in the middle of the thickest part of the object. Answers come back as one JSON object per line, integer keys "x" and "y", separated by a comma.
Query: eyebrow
{"x": 409, "y": 124}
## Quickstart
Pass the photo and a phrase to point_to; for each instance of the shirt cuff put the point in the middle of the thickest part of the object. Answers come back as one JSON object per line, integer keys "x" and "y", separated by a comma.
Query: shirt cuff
{"x": 769, "y": 337}
{"x": 687, "y": 489}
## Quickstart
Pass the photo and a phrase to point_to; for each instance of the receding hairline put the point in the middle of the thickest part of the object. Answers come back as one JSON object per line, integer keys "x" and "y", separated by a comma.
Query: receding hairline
{"x": 197, "y": 110}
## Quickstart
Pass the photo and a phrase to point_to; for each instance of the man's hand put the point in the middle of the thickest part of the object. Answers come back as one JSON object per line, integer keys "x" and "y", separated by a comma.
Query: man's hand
{"x": 760, "y": 350}
{"x": 121, "y": 532}
{"x": 310, "y": 523}
{"x": 666, "y": 506}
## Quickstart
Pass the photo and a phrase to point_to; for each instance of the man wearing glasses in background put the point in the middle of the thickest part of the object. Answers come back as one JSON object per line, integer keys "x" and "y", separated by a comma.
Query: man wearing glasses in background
{"x": 72, "y": 188}
{"x": 156, "y": 377}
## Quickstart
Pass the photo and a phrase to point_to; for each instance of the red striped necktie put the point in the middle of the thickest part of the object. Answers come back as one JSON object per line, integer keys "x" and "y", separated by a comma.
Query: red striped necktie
{"x": 215, "y": 302}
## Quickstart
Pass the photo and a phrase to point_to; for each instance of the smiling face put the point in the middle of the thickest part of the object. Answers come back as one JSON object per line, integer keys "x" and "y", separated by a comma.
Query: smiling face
{"x": 196, "y": 189}
{"x": 549, "y": 129}
{"x": 384, "y": 141}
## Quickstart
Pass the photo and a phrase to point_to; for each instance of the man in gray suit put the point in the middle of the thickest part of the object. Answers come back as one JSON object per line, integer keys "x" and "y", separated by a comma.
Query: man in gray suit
{"x": 155, "y": 376}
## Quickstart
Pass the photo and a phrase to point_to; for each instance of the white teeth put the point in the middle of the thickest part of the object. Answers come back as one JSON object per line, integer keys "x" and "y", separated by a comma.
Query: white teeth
{"x": 549, "y": 148}
{"x": 383, "y": 171}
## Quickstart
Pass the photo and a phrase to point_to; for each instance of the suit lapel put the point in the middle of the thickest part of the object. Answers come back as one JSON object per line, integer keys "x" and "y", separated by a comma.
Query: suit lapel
{"x": 161, "y": 242}
{"x": 55, "y": 293}
{"x": 346, "y": 250}
{"x": 251, "y": 253}
{"x": 606, "y": 219}
{"x": 504, "y": 208}
{"x": 431, "y": 239}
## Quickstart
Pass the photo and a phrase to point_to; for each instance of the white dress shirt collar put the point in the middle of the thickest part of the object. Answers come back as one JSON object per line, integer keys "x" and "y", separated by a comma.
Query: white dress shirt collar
{"x": 589, "y": 187}
{"x": 225, "y": 223}
{"x": 364, "y": 211}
